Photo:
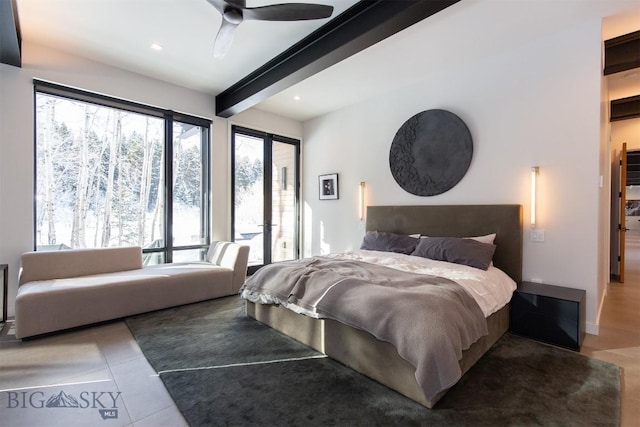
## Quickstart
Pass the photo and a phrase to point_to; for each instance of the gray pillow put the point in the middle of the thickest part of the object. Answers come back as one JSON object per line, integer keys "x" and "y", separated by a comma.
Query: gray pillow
{"x": 389, "y": 242}
{"x": 457, "y": 250}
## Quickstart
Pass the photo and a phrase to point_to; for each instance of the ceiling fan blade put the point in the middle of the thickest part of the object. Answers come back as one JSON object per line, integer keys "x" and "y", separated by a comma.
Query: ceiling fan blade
{"x": 222, "y": 5}
{"x": 219, "y": 5}
{"x": 223, "y": 39}
{"x": 288, "y": 12}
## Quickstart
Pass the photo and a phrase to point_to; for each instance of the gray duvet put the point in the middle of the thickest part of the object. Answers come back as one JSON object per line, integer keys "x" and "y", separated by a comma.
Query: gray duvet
{"x": 430, "y": 320}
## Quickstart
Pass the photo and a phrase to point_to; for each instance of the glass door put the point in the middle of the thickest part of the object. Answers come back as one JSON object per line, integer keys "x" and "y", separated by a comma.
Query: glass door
{"x": 284, "y": 201}
{"x": 265, "y": 195}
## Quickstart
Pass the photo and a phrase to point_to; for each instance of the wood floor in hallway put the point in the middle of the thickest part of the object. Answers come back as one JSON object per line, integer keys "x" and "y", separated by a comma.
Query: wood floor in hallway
{"x": 619, "y": 336}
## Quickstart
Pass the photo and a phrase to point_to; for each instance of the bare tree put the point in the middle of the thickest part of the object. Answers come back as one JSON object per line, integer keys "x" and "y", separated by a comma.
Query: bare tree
{"x": 83, "y": 182}
{"x": 47, "y": 137}
{"x": 97, "y": 179}
{"x": 145, "y": 181}
{"x": 159, "y": 207}
{"x": 114, "y": 148}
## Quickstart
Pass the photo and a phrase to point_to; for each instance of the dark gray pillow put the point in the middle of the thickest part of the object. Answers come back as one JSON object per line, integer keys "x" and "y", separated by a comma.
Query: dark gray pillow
{"x": 457, "y": 250}
{"x": 389, "y": 242}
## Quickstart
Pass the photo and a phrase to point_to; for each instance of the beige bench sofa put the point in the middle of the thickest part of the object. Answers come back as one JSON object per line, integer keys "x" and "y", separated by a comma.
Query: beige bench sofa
{"x": 64, "y": 289}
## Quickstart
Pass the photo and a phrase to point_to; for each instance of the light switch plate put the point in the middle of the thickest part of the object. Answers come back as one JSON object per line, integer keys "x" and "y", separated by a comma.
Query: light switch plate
{"x": 537, "y": 235}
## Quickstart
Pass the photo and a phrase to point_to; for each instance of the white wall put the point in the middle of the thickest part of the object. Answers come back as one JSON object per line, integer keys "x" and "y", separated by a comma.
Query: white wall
{"x": 626, "y": 131}
{"x": 17, "y": 139}
{"x": 538, "y": 104}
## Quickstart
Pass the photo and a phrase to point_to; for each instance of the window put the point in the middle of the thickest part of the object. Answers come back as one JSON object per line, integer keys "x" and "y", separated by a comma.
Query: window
{"x": 103, "y": 177}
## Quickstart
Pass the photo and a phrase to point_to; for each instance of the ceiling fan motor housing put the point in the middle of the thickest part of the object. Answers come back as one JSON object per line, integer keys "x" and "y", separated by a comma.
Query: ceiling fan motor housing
{"x": 232, "y": 16}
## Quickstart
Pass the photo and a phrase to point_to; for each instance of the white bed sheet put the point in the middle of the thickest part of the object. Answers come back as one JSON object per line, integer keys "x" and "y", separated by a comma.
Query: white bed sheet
{"x": 492, "y": 289}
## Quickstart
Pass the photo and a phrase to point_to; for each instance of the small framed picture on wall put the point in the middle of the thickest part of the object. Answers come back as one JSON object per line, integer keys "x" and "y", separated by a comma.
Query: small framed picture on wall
{"x": 328, "y": 186}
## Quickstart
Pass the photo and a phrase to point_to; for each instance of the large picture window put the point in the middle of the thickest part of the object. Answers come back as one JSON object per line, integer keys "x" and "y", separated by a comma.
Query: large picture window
{"x": 114, "y": 173}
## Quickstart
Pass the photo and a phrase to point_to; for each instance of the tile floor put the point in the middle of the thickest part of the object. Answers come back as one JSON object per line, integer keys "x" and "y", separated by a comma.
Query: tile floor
{"x": 103, "y": 369}
{"x": 91, "y": 365}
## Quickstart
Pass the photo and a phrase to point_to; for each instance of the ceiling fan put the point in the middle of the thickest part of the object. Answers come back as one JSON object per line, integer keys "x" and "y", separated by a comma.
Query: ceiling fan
{"x": 235, "y": 11}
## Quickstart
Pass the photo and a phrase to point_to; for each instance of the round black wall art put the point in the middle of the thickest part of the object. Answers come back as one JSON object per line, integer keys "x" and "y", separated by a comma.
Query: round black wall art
{"x": 430, "y": 153}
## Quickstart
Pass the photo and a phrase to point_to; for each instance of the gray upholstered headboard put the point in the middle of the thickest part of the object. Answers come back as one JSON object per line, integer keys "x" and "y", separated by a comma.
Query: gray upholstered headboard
{"x": 458, "y": 221}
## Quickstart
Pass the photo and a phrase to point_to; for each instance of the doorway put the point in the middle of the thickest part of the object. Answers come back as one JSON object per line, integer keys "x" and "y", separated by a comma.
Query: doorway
{"x": 625, "y": 209}
{"x": 632, "y": 208}
{"x": 266, "y": 195}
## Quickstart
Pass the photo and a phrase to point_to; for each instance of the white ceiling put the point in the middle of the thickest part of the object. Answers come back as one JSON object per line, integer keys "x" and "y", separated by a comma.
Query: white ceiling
{"x": 120, "y": 32}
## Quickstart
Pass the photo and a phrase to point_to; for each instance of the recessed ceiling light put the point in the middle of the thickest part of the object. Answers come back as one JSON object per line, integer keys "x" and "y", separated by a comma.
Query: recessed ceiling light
{"x": 156, "y": 46}
{"x": 297, "y": 98}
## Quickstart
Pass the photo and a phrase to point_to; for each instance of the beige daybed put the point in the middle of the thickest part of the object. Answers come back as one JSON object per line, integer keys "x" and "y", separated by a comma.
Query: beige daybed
{"x": 64, "y": 289}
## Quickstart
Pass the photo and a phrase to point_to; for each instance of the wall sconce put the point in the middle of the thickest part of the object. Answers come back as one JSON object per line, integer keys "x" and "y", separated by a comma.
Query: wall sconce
{"x": 361, "y": 200}
{"x": 534, "y": 185}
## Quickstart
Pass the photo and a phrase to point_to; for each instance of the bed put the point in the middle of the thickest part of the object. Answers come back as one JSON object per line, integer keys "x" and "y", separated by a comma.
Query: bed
{"x": 378, "y": 359}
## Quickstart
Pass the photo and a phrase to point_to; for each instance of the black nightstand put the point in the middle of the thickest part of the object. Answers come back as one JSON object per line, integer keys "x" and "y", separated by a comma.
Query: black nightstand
{"x": 553, "y": 314}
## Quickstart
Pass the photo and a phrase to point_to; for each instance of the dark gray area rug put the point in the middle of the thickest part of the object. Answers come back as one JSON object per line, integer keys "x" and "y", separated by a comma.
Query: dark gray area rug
{"x": 223, "y": 368}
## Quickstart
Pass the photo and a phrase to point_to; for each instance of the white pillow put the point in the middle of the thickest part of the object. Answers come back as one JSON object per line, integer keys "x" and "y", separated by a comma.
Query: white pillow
{"x": 489, "y": 238}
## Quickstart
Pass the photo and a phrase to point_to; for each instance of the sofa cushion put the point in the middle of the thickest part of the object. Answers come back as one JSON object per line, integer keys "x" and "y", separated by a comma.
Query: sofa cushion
{"x": 78, "y": 262}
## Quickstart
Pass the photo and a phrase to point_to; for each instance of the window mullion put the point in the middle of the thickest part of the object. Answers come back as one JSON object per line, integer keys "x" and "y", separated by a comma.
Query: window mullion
{"x": 168, "y": 136}
{"x": 205, "y": 210}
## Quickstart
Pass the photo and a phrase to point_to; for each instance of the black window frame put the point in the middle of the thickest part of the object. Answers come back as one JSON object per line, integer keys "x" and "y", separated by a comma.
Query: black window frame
{"x": 268, "y": 138}
{"x": 169, "y": 117}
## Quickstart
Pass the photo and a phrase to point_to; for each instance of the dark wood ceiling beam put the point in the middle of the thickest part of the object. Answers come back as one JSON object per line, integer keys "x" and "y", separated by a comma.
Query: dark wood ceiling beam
{"x": 622, "y": 53}
{"x": 10, "y": 38}
{"x": 363, "y": 25}
{"x": 625, "y": 108}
